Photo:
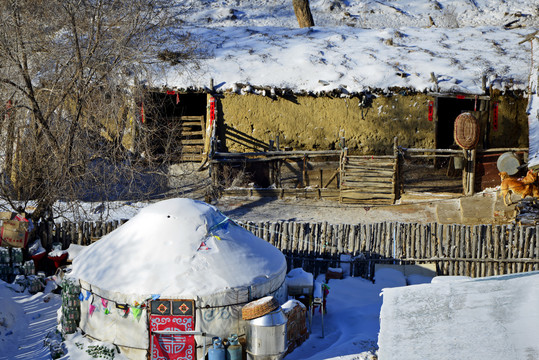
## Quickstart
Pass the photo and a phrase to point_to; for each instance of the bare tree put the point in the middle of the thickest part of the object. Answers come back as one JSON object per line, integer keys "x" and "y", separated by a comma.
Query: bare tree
{"x": 69, "y": 71}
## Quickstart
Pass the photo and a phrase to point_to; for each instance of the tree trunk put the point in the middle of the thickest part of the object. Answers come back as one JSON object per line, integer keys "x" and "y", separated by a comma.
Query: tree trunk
{"x": 303, "y": 13}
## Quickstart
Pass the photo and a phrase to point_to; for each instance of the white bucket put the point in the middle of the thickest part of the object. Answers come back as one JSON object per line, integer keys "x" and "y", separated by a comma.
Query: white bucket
{"x": 508, "y": 162}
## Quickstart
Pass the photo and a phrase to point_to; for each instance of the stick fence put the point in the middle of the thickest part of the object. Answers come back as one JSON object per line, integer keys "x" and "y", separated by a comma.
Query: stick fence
{"x": 476, "y": 251}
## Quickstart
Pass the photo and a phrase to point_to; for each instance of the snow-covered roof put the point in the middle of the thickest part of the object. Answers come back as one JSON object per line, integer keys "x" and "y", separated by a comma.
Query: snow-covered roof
{"x": 493, "y": 317}
{"x": 357, "y": 45}
{"x": 178, "y": 248}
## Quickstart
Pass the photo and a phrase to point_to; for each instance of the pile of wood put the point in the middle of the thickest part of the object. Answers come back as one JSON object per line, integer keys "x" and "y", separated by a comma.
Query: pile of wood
{"x": 527, "y": 212}
{"x": 296, "y": 326}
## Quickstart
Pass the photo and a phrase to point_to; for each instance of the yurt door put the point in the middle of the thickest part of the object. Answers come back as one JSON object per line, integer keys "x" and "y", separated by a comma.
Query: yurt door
{"x": 170, "y": 324}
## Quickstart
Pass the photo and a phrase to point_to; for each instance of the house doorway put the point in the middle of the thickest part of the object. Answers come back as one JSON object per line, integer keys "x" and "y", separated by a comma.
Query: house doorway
{"x": 174, "y": 125}
{"x": 448, "y": 108}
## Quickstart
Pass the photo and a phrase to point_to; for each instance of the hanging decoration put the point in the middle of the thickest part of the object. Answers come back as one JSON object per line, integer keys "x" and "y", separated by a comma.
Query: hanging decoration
{"x": 91, "y": 309}
{"x": 203, "y": 246}
{"x": 222, "y": 225}
{"x": 172, "y": 92}
{"x": 495, "y": 116}
{"x": 136, "y": 312}
{"x": 431, "y": 110}
{"x": 212, "y": 110}
{"x": 123, "y": 309}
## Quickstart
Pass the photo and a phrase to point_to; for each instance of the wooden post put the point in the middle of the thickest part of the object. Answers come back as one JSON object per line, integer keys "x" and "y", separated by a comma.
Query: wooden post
{"x": 396, "y": 171}
{"x": 465, "y": 173}
{"x": 468, "y": 174}
{"x": 471, "y": 181}
{"x": 303, "y": 13}
{"x": 489, "y": 250}
{"x": 304, "y": 172}
{"x": 536, "y": 247}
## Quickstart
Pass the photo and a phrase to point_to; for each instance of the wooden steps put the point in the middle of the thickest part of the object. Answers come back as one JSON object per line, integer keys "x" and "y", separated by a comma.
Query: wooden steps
{"x": 191, "y": 138}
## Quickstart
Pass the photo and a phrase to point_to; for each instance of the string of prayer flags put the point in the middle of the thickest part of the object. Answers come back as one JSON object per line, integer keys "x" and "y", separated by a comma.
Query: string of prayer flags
{"x": 123, "y": 309}
{"x": 105, "y": 304}
{"x": 222, "y": 224}
{"x": 136, "y": 312}
{"x": 203, "y": 246}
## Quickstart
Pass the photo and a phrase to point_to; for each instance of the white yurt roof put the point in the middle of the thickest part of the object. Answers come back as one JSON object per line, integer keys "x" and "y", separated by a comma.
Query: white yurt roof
{"x": 178, "y": 248}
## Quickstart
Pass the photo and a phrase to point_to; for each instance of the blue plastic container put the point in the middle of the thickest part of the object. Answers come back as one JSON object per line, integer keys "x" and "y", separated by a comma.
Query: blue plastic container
{"x": 218, "y": 351}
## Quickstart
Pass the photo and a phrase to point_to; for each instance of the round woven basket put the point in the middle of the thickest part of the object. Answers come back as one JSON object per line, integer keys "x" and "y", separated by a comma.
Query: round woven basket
{"x": 259, "y": 308}
{"x": 466, "y": 131}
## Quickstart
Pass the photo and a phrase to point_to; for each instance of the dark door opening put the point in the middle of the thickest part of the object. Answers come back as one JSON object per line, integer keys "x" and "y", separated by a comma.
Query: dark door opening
{"x": 447, "y": 110}
{"x": 174, "y": 125}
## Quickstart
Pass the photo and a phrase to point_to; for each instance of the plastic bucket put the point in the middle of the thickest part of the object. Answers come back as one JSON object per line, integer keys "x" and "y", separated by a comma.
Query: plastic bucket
{"x": 508, "y": 162}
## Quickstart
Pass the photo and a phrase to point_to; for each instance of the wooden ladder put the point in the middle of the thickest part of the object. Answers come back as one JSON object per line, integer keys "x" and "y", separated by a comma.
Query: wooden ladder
{"x": 191, "y": 138}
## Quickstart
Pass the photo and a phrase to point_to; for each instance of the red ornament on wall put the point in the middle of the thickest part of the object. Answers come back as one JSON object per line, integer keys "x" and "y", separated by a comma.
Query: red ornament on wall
{"x": 212, "y": 110}
{"x": 495, "y": 116}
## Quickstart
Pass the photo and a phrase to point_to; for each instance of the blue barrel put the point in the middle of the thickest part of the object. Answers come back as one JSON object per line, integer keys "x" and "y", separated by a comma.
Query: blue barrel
{"x": 218, "y": 350}
{"x": 233, "y": 351}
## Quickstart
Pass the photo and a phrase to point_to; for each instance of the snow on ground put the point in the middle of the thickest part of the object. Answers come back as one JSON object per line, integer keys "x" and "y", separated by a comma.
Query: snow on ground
{"x": 357, "y": 45}
{"x": 350, "y": 327}
{"x": 28, "y": 323}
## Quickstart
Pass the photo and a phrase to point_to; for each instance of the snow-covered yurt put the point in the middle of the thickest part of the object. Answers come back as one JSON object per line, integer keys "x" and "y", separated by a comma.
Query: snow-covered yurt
{"x": 178, "y": 265}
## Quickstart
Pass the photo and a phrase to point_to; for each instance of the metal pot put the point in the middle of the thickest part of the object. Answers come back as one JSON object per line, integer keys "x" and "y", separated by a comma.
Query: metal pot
{"x": 266, "y": 336}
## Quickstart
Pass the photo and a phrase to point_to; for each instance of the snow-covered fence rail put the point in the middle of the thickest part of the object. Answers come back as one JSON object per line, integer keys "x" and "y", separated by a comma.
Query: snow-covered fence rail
{"x": 478, "y": 250}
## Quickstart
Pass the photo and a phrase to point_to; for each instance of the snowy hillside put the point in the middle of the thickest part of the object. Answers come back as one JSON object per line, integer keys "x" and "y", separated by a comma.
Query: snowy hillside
{"x": 373, "y": 14}
{"x": 357, "y": 45}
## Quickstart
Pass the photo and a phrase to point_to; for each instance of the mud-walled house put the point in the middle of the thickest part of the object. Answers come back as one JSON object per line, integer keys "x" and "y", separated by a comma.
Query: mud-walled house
{"x": 355, "y": 121}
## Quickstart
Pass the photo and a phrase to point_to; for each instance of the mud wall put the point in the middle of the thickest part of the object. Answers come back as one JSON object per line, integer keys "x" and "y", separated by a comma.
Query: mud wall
{"x": 317, "y": 123}
{"x": 248, "y": 122}
{"x": 512, "y": 120}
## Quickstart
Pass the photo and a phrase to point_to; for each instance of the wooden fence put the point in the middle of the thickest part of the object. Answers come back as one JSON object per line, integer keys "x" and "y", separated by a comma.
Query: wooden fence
{"x": 477, "y": 251}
